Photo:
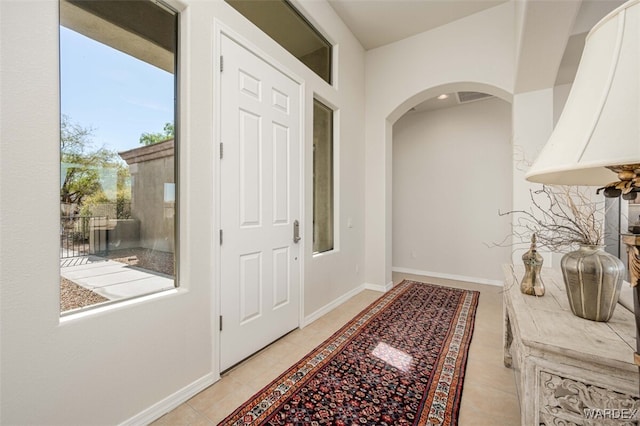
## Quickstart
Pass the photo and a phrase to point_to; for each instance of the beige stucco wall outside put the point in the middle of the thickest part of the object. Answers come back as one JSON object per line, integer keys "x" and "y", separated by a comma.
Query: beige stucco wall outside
{"x": 152, "y": 168}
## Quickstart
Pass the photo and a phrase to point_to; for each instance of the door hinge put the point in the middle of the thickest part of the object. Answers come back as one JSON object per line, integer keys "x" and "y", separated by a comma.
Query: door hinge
{"x": 221, "y": 237}
{"x": 220, "y": 322}
{"x": 221, "y": 150}
{"x": 221, "y": 63}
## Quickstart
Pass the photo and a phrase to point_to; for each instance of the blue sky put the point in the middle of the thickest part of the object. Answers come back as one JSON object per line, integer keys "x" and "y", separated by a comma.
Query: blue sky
{"x": 119, "y": 96}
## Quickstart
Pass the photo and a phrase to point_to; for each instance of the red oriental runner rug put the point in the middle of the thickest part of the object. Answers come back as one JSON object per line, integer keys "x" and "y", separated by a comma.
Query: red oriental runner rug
{"x": 400, "y": 361}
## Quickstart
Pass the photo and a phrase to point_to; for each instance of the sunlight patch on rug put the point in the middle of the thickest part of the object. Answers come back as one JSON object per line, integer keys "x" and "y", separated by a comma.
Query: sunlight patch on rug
{"x": 399, "y": 359}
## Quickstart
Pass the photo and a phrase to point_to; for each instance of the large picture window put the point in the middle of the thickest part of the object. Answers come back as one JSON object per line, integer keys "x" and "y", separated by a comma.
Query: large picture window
{"x": 322, "y": 177}
{"x": 118, "y": 145}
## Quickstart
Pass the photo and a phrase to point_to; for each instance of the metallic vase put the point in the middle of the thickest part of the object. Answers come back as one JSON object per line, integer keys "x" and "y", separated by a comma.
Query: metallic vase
{"x": 531, "y": 283}
{"x": 593, "y": 279}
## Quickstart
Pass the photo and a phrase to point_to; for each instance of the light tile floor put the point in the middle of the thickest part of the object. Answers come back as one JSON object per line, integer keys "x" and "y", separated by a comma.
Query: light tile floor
{"x": 489, "y": 397}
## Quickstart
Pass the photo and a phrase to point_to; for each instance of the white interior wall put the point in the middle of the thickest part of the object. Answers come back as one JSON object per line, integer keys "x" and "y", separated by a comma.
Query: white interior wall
{"x": 451, "y": 175}
{"x": 331, "y": 275}
{"x": 108, "y": 366}
{"x": 532, "y": 118}
{"x": 473, "y": 53}
{"x": 133, "y": 362}
{"x": 560, "y": 96}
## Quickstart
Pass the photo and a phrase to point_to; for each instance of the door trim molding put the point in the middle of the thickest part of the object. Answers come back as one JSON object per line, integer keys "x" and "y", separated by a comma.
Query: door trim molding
{"x": 221, "y": 30}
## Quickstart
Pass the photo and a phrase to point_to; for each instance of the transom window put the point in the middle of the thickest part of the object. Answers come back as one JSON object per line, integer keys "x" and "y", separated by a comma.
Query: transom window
{"x": 283, "y": 23}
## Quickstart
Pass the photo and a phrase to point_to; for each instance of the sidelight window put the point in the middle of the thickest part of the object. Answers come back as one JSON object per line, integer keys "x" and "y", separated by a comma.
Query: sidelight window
{"x": 323, "y": 235}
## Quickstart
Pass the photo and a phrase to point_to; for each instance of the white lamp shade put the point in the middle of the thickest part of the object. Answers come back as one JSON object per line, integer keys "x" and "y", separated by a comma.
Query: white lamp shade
{"x": 600, "y": 123}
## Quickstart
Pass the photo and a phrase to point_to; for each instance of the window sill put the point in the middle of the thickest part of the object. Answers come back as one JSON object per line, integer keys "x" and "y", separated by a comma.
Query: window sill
{"x": 116, "y": 305}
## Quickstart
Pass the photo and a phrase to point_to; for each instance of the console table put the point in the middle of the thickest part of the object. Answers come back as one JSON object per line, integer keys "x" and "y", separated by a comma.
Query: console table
{"x": 565, "y": 364}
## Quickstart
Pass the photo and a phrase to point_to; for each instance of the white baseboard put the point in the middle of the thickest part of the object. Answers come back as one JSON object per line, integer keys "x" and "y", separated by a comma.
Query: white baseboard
{"x": 378, "y": 287}
{"x": 448, "y": 276}
{"x": 161, "y": 408}
{"x": 340, "y": 300}
{"x": 331, "y": 306}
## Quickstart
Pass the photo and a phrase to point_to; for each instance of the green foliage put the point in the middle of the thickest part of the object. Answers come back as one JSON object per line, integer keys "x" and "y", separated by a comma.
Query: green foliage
{"x": 80, "y": 162}
{"x": 99, "y": 204}
{"x": 151, "y": 138}
{"x": 91, "y": 201}
{"x": 82, "y": 166}
{"x": 123, "y": 204}
{"x": 123, "y": 194}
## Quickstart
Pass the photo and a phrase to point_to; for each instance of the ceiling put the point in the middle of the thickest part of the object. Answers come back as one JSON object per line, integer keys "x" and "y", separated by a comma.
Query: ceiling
{"x": 376, "y": 23}
{"x": 380, "y": 22}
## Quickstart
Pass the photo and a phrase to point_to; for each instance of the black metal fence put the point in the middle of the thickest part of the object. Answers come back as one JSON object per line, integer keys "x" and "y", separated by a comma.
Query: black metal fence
{"x": 83, "y": 235}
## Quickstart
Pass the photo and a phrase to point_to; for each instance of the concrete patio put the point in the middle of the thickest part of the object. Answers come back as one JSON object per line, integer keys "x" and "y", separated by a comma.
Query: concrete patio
{"x": 111, "y": 279}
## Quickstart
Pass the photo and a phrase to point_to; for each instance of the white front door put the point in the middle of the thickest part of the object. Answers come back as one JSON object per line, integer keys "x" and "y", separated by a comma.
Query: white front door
{"x": 260, "y": 203}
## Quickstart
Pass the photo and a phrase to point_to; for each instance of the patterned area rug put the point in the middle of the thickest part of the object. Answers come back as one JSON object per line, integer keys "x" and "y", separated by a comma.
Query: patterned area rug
{"x": 400, "y": 361}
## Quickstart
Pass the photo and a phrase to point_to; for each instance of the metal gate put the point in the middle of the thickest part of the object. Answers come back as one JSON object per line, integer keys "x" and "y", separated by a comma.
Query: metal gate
{"x": 83, "y": 235}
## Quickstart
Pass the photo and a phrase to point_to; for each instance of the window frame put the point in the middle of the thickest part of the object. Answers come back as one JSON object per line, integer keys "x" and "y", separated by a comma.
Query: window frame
{"x": 332, "y": 132}
{"x": 102, "y": 306}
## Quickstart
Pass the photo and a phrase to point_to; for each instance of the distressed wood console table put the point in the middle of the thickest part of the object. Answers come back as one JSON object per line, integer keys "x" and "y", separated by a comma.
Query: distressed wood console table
{"x": 565, "y": 364}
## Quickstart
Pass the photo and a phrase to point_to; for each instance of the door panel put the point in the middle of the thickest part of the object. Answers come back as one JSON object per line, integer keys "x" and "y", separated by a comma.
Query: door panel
{"x": 250, "y": 286}
{"x": 281, "y": 262}
{"x": 260, "y": 200}
{"x": 280, "y": 101}
{"x": 249, "y": 85}
{"x": 250, "y": 165}
{"x": 281, "y": 183}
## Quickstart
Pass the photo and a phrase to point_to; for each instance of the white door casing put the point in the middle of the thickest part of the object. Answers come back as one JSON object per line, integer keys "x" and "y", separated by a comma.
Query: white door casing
{"x": 260, "y": 200}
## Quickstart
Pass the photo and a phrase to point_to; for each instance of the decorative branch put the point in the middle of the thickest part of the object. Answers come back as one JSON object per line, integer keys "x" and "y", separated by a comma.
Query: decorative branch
{"x": 561, "y": 217}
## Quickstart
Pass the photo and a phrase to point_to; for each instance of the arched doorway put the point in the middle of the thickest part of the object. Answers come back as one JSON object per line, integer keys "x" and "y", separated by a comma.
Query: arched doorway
{"x": 451, "y": 173}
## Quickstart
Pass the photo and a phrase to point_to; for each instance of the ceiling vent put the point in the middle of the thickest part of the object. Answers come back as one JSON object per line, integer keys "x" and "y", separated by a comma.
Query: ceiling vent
{"x": 465, "y": 97}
